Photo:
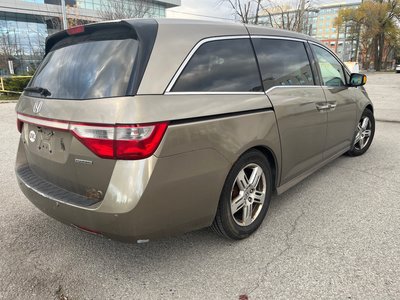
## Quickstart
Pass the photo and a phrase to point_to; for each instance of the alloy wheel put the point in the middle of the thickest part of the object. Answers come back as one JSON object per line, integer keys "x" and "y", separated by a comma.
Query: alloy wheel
{"x": 248, "y": 194}
{"x": 363, "y": 133}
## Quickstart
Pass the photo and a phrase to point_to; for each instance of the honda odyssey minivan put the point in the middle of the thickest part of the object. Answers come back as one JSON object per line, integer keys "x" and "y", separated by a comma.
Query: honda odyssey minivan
{"x": 138, "y": 129}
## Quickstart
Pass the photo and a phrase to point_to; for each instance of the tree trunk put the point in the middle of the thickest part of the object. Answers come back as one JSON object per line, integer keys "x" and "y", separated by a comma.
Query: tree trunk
{"x": 357, "y": 44}
{"x": 379, "y": 45}
{"x": 376, "y": 54}
{"x": 337, "y": 38}
{"x": 381, "y": 48}
{"x": 257, "y": 11}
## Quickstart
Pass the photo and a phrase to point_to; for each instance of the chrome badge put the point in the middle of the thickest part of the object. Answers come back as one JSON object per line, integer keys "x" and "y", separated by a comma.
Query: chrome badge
{"x": 83, "y": 161}
{"x": 37, "y": 106}
{"x": 32, "y": 136}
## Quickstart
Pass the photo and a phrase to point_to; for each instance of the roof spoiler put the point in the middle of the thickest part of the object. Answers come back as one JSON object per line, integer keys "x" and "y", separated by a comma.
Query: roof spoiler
{"x": 141, "y": 29}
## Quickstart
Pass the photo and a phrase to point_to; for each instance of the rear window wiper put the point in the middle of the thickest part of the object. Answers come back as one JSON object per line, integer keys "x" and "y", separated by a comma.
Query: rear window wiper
{"x": 35, "y": 89}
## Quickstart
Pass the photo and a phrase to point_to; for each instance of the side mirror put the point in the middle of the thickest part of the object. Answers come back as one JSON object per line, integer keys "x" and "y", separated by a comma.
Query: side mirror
{"x": 357, "y": 79}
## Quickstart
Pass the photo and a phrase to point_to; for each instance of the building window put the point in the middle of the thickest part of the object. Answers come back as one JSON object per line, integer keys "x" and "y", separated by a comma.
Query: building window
{"x": 22, "y": 39}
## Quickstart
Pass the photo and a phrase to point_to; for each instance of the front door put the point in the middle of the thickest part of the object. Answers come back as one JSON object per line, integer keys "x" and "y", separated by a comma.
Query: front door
{"x": 299, "y": 103}
{"x": 342, "y": 106}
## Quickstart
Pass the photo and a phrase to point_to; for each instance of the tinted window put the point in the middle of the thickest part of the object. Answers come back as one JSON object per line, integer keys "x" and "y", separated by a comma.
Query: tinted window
{"x": 94, "y": 69}
{"x": 221, "y": 66}
{"x": 283, "y": 62}
{"x": 331, "y": 70}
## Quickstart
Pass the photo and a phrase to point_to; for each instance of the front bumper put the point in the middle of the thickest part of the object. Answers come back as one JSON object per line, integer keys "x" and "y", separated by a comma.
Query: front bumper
{"x": 145, "y": 199}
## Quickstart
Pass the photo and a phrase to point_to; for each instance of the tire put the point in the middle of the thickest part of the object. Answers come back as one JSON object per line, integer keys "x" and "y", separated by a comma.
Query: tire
{"x": 253, "y": 165}
{"x": 363, "y": 136}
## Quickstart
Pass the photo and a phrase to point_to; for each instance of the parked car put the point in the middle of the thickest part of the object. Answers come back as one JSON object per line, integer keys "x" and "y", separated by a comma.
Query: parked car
{"x": 397, "y": 65}
{"x": 352, "y": 66}
{"x": 139, "y": 129}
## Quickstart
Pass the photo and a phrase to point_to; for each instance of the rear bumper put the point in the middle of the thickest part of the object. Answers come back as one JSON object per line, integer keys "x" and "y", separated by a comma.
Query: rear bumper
{"x": 145, "y": 199}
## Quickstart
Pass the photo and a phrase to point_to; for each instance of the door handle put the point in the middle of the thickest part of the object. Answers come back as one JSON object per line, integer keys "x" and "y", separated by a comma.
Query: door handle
{"x": 322, "y": 107}
{"x": 332, "y": 106}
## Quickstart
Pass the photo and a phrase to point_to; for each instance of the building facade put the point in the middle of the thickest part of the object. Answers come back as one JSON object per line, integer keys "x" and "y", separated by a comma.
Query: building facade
{"x": 25, "y": 24}
{"x": 338, "y": 39}
{"x": 318, "y": 22}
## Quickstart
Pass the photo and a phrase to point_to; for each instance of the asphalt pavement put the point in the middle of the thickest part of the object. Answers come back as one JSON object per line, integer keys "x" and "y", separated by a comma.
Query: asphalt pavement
{"x": 336, "y": 235}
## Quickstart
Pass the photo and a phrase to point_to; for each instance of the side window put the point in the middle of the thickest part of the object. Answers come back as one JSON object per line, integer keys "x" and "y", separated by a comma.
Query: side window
{"x": 221, "y": 66}
{"x": 283, "y": 62}
{"x": 331, "y": 70}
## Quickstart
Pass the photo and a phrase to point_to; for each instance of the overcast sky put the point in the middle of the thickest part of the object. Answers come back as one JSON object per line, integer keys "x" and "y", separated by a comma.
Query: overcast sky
{"x": 211, "y": 10}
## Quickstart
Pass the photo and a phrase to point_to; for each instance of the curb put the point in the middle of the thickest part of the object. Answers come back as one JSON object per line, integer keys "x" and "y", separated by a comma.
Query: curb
{"x": 387, "y": 121}
{"x": 8, "y": 101}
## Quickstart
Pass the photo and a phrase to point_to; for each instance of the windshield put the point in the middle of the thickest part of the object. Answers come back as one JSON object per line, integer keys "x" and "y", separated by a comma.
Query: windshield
{"x": 87, "y": 70}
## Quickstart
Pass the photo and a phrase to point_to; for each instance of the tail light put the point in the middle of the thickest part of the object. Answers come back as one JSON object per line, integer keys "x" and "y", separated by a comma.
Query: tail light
{"x": 120, "y": 142}
{"x": 127, "y": 142}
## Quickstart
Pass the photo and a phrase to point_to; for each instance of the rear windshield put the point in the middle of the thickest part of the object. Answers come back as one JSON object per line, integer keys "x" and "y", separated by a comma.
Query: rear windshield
{"x": 87, "y": 70}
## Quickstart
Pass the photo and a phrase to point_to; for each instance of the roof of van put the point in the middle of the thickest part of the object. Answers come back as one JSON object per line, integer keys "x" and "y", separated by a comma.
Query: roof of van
{"x": 208, "y": 28}
{"x": 177, "y": 37}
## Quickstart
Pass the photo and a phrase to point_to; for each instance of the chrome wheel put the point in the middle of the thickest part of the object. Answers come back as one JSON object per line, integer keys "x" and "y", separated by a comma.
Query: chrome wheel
{"x": 363, "y": 133}
{"x": 248, "y": 194}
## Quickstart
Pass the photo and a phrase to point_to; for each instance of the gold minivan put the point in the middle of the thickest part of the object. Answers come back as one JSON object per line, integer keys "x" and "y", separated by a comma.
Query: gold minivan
{"x": 138, "y": 129}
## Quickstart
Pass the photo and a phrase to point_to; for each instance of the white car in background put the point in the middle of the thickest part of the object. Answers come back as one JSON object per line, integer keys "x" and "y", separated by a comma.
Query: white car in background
{"x": 353, "y": 66}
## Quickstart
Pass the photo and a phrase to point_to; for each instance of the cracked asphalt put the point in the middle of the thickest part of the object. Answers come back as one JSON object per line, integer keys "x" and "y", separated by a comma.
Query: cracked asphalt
{"x": 336, "y": 235}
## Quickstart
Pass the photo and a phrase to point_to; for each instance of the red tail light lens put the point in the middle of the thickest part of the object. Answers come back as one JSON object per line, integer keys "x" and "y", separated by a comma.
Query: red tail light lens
{"x": 120, "y": 142}
{"x": 76, "y": 30}
{"x": 128, "y": 142}
{"x": 99, "y": 139}
{"x": 136, "y": 142}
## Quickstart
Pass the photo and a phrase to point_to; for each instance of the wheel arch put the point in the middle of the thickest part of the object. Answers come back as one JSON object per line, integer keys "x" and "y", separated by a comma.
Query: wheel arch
{"x": 270, "y": 156}
{"x": 370, "y": 107}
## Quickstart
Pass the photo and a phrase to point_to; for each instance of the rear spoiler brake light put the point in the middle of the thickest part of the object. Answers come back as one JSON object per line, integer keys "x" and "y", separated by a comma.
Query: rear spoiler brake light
{"x": 76, "y": 30}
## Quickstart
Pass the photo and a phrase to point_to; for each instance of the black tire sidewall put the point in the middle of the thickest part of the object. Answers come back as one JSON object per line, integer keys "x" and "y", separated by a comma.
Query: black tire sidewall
{"x": 354, "y": 151}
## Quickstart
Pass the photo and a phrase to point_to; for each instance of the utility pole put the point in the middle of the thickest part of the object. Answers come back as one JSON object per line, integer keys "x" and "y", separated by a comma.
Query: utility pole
{"x": 344, "y": 43}
{"x": 358, "y": 39}
{"x": 64, "y": 15}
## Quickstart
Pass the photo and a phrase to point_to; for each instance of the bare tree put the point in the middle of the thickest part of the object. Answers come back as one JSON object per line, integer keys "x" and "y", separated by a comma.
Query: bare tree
{"x": 74, "y": 17}
{"x": 247, "y": 10}
{"x": 124, "y": 9}
{"x": 290, "y": 14}
{"x": 9, "y": 49}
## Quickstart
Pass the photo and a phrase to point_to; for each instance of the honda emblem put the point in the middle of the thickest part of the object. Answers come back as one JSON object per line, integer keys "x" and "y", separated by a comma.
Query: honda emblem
{"x": 37, "y": 107}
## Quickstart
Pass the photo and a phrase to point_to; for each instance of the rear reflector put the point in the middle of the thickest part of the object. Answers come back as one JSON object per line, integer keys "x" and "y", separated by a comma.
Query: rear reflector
{"x": 125, "y": 142}
{"x": 91, "y": 231}
{"x": 76, "y": 30}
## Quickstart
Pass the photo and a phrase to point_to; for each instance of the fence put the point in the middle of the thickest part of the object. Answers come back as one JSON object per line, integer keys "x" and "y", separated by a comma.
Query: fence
{"x": 14, "y": 84}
